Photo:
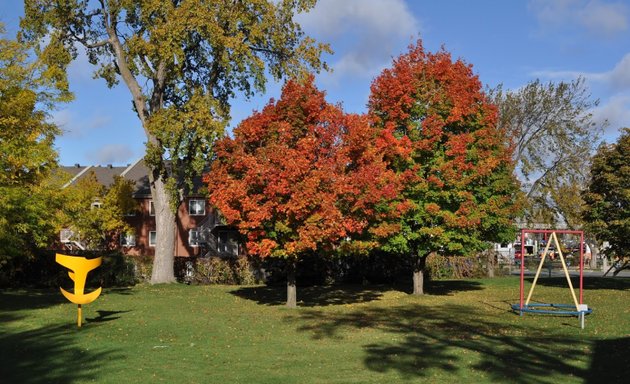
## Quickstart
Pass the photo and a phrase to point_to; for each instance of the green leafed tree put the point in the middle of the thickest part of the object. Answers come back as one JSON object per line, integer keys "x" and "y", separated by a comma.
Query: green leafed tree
{"x": 607, "y": 198}
{"x": 182, "y": 61}
{"x": 553, "y": 134}
{"x": 27, "y": 93}
{"x": 460, "y": 190}
{"x": 95, "y": 213}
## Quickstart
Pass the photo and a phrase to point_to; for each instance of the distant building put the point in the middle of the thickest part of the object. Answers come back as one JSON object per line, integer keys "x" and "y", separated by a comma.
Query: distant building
{"x": 200, "y": 229}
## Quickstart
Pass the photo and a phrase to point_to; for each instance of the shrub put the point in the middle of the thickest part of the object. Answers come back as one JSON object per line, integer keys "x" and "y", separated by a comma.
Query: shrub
{"x": 215, "y": 270}
{"x": 43, "y": 271}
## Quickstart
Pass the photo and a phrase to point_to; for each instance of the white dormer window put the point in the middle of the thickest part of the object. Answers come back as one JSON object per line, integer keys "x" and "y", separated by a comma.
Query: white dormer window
{"x": 96, "y": 204}
{"x": 196, "y": 207}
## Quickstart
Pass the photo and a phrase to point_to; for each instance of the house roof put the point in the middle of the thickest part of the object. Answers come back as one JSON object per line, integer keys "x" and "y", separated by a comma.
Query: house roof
{"x": 137, "y": 172}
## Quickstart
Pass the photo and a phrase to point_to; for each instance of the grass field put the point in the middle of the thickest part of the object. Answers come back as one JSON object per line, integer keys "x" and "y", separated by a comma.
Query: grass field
{"x": 461, "y": 332}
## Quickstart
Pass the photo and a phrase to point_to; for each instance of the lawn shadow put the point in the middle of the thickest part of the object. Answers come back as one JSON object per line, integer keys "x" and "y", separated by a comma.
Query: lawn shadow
{"x": 120, "y": 291}
{"x": 449, "y": 287}
{"x": 451, "y": 339}
{"x": 318, "y": 296}
{"x": 590, "y": 282}
{"x": 315, "y": 296}
{"x": 49, "y": 355}
{"x": 611, "y": 358}
{"x": 18, "y": 299}
{"x": 105, "y": 316}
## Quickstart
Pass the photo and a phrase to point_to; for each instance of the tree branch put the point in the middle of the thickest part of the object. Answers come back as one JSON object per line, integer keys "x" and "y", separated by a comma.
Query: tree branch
{"x": 544, "y": 175}
{"x": 126, "y": 74}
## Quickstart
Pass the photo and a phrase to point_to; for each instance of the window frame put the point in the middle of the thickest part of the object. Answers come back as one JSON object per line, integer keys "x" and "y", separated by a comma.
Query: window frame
{"x": 152, "y": 244}
{"x": 151, "y": 208}
{"x": 203, "y": 205}
{"x": 221, "y": 245}
{"x": 124, "y": 236}
{"x": 190, "y": 231}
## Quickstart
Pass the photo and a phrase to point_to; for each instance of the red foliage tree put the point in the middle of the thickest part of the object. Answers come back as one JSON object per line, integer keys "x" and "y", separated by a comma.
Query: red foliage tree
{"x": 460, "y": 190}
{"x": 303, "y": 176}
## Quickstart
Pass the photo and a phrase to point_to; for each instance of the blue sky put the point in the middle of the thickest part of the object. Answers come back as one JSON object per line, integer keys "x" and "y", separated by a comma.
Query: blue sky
{"x": 509, "y": 42}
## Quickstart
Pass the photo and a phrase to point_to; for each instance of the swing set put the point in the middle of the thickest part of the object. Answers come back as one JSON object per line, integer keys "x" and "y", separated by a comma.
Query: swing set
{"x": 578, "y": 308}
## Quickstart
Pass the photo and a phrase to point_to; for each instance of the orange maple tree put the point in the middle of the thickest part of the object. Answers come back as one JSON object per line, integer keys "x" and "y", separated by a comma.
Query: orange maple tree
{"x": 460, "y": 190}
{"x": 304, "y": 176}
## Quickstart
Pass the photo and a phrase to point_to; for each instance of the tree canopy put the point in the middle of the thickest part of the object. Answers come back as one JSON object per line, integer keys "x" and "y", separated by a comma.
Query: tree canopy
{"x": 27, "y": 93}
{"x": 302, "y": 176}
{"x": 94, "y": 212}
{"x": 607, "y": 198}
{"x": 182, "y": 62}
{"x": 460, "y": 190}
{"x": 553, "y": 134}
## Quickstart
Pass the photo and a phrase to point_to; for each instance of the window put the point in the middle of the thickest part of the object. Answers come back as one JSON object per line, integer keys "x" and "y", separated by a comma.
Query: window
{"x": 193, "y": 237}
{"x": 227, "y": 243}
{"x": 66, "y": 235}
{"x": 152, "y": 238}
{"x": 197, "y": 207}
{"x": 127, "y": 239}
{"x": 151, "y": 208}
{"x": 96, "y": 204}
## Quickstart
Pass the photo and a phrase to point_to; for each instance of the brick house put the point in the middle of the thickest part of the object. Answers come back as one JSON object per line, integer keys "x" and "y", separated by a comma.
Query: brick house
{"x": 200, "y": 231}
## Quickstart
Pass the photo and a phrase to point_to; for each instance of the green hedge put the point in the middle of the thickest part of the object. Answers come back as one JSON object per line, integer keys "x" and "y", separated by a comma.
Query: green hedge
{"x": 42, "y": 271}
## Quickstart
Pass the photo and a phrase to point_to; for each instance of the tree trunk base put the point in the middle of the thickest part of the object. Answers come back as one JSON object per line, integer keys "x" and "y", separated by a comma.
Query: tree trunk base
{"x": 418, "y": 282}
{"x": 291, "y": 287}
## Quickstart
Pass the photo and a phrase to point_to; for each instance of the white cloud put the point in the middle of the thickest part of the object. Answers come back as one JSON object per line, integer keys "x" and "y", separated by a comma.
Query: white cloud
{"x": 614, "y": 85}
{"x": 597, "y": 17}
{"x": 617, "y": 78}
{"x": 604, "y": 18}
{"x": 112, "y": 154}
{"x": 553, "y": 11}
{"x": 75, "y": 127}
{"x": 615, "y": 112}
{"x": 367, "y": 31}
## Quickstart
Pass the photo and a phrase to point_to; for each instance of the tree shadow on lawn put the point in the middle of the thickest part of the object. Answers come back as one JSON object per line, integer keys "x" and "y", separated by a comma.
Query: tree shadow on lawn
{"x": 314, "y": 296}
{"x": 611, "y": 359}
{"x": 50, "y": 355}
{"x": 590, "y": 282}
{"x": 319, "y": 296}
{"x": 454, "y": 339}
{"x": 18, "y": 299}
{"x": 450, "y": 287}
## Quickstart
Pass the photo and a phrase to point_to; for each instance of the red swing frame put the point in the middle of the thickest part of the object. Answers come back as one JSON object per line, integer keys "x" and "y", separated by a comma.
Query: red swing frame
{"x": 549, "y": 231}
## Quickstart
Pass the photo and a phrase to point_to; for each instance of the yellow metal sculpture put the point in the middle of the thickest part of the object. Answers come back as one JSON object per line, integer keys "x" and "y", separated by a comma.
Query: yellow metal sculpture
{"x": 79, "y": 268}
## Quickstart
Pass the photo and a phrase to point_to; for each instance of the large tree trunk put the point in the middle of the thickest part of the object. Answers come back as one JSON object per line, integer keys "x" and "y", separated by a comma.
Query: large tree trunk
{"x": 291, "y": 288}
{"x": 165, "y": 226}
{"x": 418, "y": 275}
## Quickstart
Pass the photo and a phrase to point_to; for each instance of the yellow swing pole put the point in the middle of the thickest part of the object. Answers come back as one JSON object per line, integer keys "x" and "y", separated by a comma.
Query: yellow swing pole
{"x": 79, "y": 315}
{"x": 542, "y": 261}
{"x": 566, "y": 272}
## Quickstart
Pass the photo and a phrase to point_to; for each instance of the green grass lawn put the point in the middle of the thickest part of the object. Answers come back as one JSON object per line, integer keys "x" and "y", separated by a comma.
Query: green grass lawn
{"x": 461, "y": 332}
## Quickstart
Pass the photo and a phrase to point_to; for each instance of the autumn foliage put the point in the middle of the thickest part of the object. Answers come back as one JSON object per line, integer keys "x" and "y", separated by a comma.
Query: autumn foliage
{"x": 302, "y": 175}
{"x": 460, "y": 188}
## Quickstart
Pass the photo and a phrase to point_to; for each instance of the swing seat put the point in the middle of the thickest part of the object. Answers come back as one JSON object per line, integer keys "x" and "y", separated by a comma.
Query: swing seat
{"x": 553, "y": 309}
